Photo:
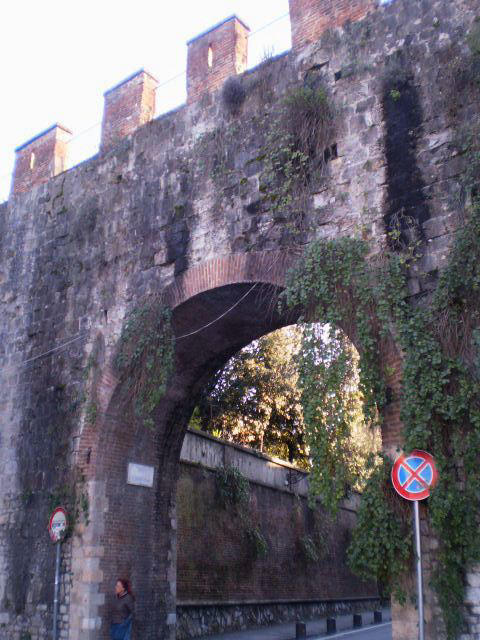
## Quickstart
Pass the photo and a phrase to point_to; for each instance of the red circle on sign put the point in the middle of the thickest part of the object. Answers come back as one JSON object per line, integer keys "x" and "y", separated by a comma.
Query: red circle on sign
{"x": 56, "y": 512}
{"x": 414, "y": 475}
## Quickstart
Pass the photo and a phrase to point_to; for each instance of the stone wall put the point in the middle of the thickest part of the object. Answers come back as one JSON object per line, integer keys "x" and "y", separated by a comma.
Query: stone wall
{"x": 175, "y": 209}
{"x": 194, "y": 621}
{"x": 234, "y": 570}
{"x": 232, "y": 586}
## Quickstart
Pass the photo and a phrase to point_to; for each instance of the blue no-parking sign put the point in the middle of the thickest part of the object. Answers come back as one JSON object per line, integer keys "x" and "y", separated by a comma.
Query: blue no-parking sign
{"x": 414, "y": 475}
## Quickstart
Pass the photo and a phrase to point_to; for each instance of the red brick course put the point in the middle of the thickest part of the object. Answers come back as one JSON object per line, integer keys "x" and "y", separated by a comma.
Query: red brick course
{"x": 310, "y": 18}
{"x": 391, "y": 362}
{"x": 269, "y": 267}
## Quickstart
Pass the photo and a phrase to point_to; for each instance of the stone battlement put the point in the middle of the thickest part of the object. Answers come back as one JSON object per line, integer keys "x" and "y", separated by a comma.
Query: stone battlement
{"x": 213, "y": 56}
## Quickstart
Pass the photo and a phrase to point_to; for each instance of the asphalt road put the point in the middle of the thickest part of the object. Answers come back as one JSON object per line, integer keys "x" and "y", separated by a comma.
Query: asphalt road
{"x": 377, "y": 632}
{"x": 316, "y": 630}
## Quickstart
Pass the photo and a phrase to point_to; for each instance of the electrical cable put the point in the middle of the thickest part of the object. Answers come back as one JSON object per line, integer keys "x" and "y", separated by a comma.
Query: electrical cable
{"x": 81, "y": 133}
{"x": 46, "y": 353}
{"x": 265, "y": 26}
{"x": 209, "y": 324}
{"x": 222, "y": 315}
{"x": 186, "y": 335}
{"x": 179, "y": 75}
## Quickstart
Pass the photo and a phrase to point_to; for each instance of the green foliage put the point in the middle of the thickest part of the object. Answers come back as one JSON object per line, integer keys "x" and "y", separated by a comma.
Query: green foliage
{"x": 73, "y": 496}
{"x": 145, "y": 357}
{"x": 307, "y": 117}
{"x": 332, "y": 283}
{"x": 441, "y": 410}
{"x": 440, "y": 398}
{"x": 382, "y": 542}
{"x": 234, "y": 491}
{"x": 292, "y": 135}
{"x": 441, "y": 404}
{"x": 294, "y": 147}
{"x": 332, "y": 407}
{"x": 232, "y": 486}
{"x": 309, "y": 549}
{"x": 255, "y": 400}
{"x": 395, "y": 94}
{"x": 257, "y": 540}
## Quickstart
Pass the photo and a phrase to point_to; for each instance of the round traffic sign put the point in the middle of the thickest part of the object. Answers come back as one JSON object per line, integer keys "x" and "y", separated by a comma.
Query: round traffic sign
{"x": 58, "y": 524}
{"x": 414, "y": 475}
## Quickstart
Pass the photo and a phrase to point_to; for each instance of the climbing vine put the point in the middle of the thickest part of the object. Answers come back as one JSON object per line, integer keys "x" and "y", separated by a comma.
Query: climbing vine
{"x": 234, "y": 491}
{"x": 293, "y": 140}
{"x": 332, "y": 412}
{"x": 145, "y": 357}
{"x": 293, "y": 153}
{"x": 336, "y": 284}
{"x": 381, "y": 546}
{"x": 333, "y": 283}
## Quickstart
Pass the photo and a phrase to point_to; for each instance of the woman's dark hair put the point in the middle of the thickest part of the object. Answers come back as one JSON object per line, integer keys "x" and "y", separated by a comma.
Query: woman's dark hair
{"x": 127, "y": 586}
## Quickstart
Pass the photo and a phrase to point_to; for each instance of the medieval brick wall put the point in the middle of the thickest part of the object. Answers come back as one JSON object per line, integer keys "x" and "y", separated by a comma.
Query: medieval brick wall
{"x": 216, "y": 55}
{"x": 311, "y": 18}
{"x": 175, "y": 208}
{"x": 41, "y": 158}
{"x": 128, "y": 106}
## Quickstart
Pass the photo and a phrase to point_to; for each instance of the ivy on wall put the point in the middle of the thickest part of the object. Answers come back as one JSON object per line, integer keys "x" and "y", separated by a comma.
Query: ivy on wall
{"x": 145, "y": 357}
{"x": 336, "y": 284}
{"x": 233, "y": 490}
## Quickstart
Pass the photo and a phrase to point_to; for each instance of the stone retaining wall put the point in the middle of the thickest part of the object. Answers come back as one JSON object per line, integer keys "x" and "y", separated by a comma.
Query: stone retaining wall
{"x": 196, "y": 620}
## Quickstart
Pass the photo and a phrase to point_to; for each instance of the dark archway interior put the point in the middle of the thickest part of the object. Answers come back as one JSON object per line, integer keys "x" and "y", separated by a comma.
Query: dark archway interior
{"x": 222, "y": 322}
{"x": 210, "y": 328}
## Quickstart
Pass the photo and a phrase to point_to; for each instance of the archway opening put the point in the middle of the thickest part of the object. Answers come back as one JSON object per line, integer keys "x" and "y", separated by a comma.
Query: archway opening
{"x": 236, "y": 496}
{"x": 209, "y": 327}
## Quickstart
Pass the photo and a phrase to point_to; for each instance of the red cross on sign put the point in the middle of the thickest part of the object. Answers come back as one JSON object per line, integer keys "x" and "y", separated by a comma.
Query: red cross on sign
{"x": 414, "y": 475}
{"x": 58, "y": 524}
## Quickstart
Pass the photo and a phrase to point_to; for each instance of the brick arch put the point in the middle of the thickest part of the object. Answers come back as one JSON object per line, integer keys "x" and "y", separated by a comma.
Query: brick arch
{"x": 149, "y": 556}
{"x": 106, "y": 447}
{"x": 271, "y": 267}
{"x": 268, "y": 267}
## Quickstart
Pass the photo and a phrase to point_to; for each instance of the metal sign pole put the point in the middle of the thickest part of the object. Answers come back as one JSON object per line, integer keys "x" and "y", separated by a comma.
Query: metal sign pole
{"x": 418, "y": 546}
{"x": 56, "y": 593}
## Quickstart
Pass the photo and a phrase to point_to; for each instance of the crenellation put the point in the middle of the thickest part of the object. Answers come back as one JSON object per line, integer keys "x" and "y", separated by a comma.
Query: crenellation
{"x": 40, "y": 158}
{"x": 128, "y": 105}
{"x": 216, "y": 55}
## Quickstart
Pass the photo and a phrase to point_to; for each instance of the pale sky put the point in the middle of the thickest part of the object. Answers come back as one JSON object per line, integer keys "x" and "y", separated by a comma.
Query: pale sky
{"x": 58, "y": 58}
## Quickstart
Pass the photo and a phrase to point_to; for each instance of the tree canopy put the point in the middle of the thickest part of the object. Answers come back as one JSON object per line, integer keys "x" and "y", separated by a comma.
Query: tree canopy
{"x": 259, "y": 398}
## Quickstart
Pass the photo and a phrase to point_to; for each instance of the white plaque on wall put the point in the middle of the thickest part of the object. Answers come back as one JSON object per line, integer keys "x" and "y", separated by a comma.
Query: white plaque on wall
{"x": 140, "y": 474}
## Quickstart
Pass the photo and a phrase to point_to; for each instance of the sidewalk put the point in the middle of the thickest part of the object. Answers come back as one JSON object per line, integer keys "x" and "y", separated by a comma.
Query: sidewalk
{"x": 286, "y": 631}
